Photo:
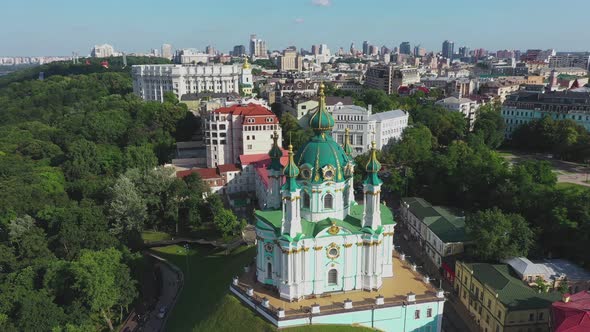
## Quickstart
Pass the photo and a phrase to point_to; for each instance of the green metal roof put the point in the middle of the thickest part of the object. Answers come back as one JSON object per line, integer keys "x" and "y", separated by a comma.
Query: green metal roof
{"x": 320, "y": 151}
{"x": 511, "y": 291}
{"x": 447, "y": 225}
{"x": 352, "y": 222}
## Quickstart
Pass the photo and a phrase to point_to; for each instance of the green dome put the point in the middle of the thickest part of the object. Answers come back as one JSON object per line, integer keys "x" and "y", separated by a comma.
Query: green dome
{"x": 275, "y": 154}
{"x": 321, "y": 159}
{"x": 291, "y": 171}
{"x": 373, "y": 167}
{"x": 321, "y": 120}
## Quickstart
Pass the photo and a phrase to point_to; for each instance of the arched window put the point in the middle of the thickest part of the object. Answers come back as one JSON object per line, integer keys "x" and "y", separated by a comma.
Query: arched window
{"x": 328, "y": 201}
{"x": 269, "y": 271}
{"x": 346, "y": 196}
{"x": 306, "y": 200}
{"x": 333, "y": 277}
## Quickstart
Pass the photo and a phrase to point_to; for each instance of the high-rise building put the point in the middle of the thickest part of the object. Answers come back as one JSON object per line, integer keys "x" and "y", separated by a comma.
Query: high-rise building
{"x": 315, "y": 49}
{"x": 102, "y": 51}
{"x": 404, "y": 48}
{"x": 239, "y": 50}
{"x": 257, "y": 47}
{"x": 324, "y": 50}
{"x": 366, "y": 47}
{"x": 238, "y": 130}
{"x": 419, "y": 51}
{"x": 580, "y": 60}
{"x": 448, "y": 49}
{"x": 373, "y": 50}
{"x": 167, "y": 51}
{"x": 464, "y": 52}
{"x": 352, "y": 49}
{"x": 389, "y": 77}
{"x": 210, "y": 50}
{"x": 290, "y": 60}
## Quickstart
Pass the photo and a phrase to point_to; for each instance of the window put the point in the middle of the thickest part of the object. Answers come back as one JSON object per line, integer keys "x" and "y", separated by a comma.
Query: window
{"x": 328, "y": 201}
{"x": 531, "y": 317}
{"x": 306, "y": 200}
{"x": 269, "y": 271}
{"x": 499, "y": 314}
{"x": 429, "y": 312}
{"x": 249, "y": 146}
{"x": 540, "y": 316}
{"x": 489, "y": 303}
{"x": 417, "y": 314}
{"x": 333, "y": 277}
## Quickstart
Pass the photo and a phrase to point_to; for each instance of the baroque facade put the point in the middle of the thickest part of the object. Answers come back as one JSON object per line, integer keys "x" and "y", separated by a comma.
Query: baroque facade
{"x": 313, "y": 237}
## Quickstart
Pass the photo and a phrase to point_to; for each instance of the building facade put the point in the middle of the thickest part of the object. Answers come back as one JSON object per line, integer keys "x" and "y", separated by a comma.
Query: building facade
{"x": 440, "y": 232}
{"x": 362, "y": 126}
{"x": 524, "y": 107}
{"x": 257, "y": 47}
{"x": 102, "y": 51}
{"x": 465, "y": 106}
{"x": 150, "y": 82}
{"x": 389, "y": 77}
{"x": 238, "y": 130}
{"x": 499, "y": 302}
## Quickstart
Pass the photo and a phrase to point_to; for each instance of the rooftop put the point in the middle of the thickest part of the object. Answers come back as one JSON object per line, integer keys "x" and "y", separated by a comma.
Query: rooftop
{"x": 247, "y": 110}
{"x": 448, "y": 225}
{"x": 394, "y": 290}
{"x": 574, "y": 315}
{"x": 388, "y": 115}
{"x": 548, "y": 268}
{"x": 512, "y": 292}
{"x": 352, "y": 222}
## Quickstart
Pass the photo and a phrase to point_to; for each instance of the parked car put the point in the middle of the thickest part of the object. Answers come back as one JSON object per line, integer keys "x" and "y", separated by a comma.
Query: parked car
{"x": 162, "y": 312}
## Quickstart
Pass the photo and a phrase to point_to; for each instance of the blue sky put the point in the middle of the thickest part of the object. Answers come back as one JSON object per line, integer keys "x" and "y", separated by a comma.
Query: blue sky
{"x": 58, "y": 27}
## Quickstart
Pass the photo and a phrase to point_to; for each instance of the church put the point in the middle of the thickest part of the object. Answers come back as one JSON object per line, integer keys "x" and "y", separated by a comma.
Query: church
{"x": 312, "y": 236}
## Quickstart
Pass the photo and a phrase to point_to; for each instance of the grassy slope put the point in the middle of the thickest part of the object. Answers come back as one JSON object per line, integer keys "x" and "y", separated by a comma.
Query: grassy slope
{"x": 205, "y": 303}
{"x": 573, "y": 186}
{"x": 152, "y": 236}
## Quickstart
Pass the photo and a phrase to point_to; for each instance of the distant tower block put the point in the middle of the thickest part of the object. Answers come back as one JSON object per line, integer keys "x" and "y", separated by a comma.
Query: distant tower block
{"x": 124, "y": 60}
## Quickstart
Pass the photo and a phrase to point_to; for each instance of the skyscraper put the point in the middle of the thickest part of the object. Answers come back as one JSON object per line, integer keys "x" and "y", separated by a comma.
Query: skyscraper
{"x": 404, "y": 48}
{"x": 167, "y": 51}
{"x": 257, "y": 47}
{"x": 448, "y": 49}
{"x": 239, "y": 50}
{"x": 464, "y": 51}
{"x": 315, "y": 49}
{"x": 365, "y": 47}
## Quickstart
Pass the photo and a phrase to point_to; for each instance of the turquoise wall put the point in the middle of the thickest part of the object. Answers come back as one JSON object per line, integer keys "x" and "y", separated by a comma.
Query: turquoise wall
{"x": 516, "y": 117}
{"x": 393, "y": 319}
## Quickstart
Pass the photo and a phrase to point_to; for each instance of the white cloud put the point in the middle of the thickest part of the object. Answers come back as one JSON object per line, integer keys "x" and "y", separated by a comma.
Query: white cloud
{"x": 299, "y": 20}
{"x": 321, "y": 3}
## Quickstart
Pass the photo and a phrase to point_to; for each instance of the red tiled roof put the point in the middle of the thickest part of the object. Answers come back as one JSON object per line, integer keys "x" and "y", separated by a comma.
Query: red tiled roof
{"x": 247, "y": 159}
{"x": 250, "y": 109}
{"x": 205, "y": 173}
{"x": 573, "y": 316}
{"x": 228, "y": 168}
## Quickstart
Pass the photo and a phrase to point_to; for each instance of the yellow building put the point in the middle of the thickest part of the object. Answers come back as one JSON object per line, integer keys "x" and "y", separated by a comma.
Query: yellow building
{"x": 499, "y": 302}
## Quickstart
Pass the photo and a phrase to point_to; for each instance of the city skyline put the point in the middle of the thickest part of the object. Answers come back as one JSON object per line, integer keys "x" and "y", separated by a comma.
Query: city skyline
{"x": 39, "y": 28}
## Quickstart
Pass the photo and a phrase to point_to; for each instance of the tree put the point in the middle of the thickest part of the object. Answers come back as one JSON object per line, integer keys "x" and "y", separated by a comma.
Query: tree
{"x": 497, "y": 236}
{"x": 415, "y": 146}
{"x": 227, "y": 223}
{"x": 490, "y": 124}
{"x": 103, "y": 282}
{"x": 563, "y": 286}
{"x": 128, "y": 210}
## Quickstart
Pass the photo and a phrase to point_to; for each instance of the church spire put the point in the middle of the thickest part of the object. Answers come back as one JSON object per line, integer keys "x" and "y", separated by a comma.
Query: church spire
{"x": 291, "y": 172}
{"x": 347, "y": 147}
{"x": 321, "y": 121}
{"x": 373, "y": 167}
{"x": 275, "y": 154}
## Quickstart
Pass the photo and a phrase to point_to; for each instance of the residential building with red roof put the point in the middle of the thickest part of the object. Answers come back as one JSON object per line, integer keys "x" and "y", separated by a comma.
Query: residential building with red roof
{"x": 572, "y": 313}
{"x": 239, "y": 130}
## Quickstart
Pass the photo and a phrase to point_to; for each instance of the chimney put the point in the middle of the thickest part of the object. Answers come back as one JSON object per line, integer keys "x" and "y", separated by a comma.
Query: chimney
{"x": 566, "y": 297}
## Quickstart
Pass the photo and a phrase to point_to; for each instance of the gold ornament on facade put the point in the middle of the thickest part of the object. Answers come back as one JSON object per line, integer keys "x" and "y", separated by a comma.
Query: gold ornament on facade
{"x": 359, "y": 244}
{"x": 333, "y": 251}
{"x": 333, "y": 230}
{"x": 317, "y": 248}
{"x": 306, "y": 249}
{"x": 328, "y": 172}
{"x": 347, "y": 245}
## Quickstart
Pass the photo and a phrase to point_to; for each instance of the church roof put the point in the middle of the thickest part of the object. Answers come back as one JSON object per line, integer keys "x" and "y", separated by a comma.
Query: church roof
{"x": 321, "y": 151}
{"x": 275, "y": 154}
{"x": 352, "y": 222}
